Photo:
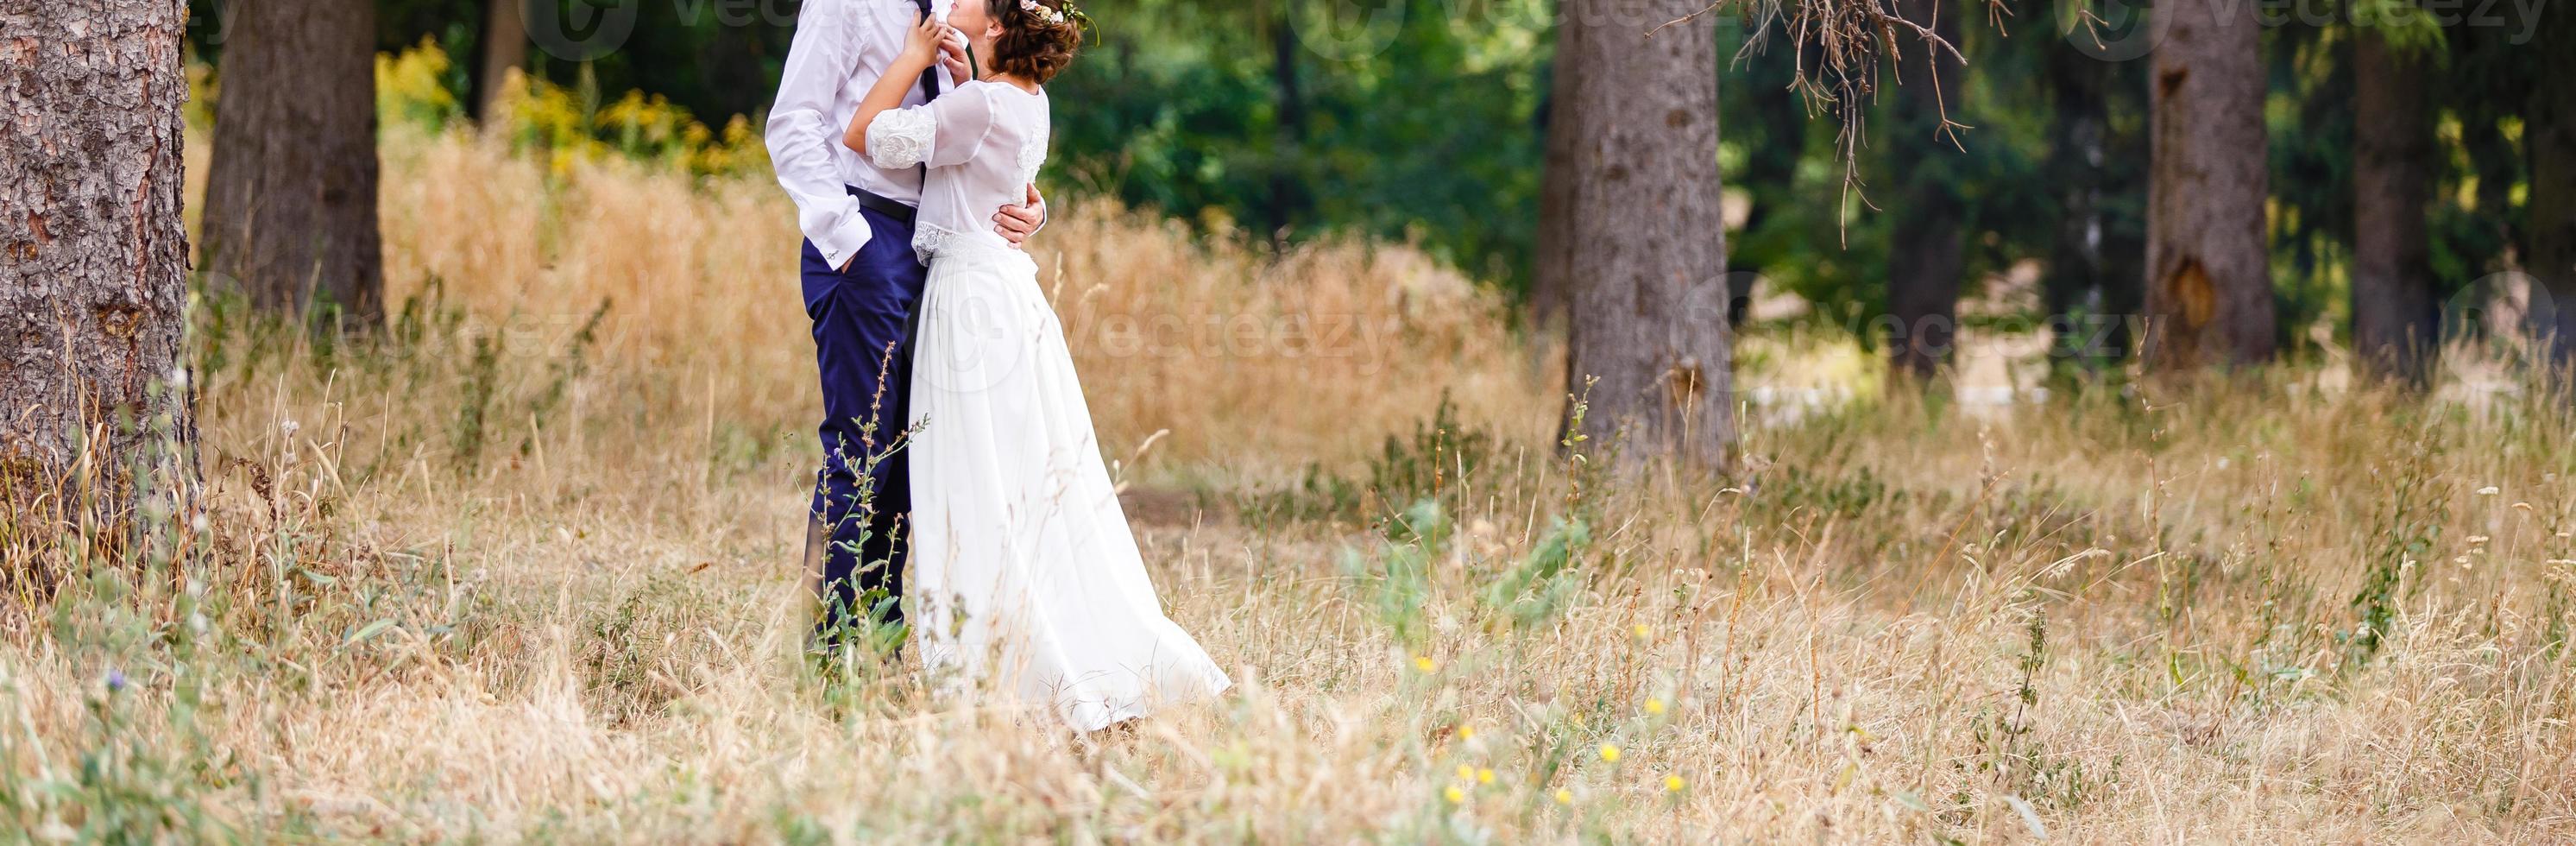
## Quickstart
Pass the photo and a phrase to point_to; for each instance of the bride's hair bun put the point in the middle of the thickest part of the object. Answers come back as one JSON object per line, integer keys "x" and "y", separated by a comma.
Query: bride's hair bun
{"x": 1039, "y": 37}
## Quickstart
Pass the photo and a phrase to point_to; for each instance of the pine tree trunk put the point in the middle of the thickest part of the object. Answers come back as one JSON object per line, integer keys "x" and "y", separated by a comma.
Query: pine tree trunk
{"x": 1648, "y": 289}
{"x": 1551, "y": 269}
{"x": 1924, "y": 261}
{"x": 2209, "y": 288}
{"x": 2395, "y": 325}
{"x": 505, "y": 46}
{"x": 1287, "y": 178}
{"x": 93, "y": 291}
{"x": 291, "y": 194}
{"x": 2093, "y": 286}
{"x": 2551, "y": 137}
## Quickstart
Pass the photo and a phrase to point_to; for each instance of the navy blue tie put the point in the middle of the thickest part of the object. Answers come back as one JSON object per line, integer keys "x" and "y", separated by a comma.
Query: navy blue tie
{"x": 930, "y": 77}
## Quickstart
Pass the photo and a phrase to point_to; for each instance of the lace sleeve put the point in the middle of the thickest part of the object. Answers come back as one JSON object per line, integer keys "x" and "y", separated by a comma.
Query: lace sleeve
{"x": 901, "y": 138}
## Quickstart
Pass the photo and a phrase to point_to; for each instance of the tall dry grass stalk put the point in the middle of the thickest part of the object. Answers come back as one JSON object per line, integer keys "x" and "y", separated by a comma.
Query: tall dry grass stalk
{"x": 489, "y": 578}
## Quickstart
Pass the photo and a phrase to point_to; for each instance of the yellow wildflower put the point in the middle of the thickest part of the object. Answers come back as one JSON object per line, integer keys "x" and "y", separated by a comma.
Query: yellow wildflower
{"x": 1484, "y": 775}
{"x": 1672, "y": 784}
{"x": 1610, "y": 753}
{"x": 1466, "y": 772}
{"x": 1425, "y": 664}
{"x": 1654, "y": 706}
{"x": 1564, "y": 796}
{"x": 1455, "y": 795}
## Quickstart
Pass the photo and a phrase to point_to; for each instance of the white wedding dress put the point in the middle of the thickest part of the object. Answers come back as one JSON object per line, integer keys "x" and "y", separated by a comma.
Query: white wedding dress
{"x": 1025, "y": 582}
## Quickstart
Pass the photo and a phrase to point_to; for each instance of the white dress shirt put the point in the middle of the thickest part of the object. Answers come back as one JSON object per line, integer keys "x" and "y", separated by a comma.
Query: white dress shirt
{"x": 842, "y": 47}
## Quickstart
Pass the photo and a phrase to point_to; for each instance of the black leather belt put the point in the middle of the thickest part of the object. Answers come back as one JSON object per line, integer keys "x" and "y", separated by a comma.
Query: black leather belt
{"x": 891, "y": 208}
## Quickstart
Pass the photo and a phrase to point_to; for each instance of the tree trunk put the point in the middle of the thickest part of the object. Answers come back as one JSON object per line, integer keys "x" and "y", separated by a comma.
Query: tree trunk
{"x": 2551, "y": 138}
{"x": 1648, "y": 245}
{"x": 1287, "y": 178}
{"x": 2395, "y": 324}
{"x": 1551, "y": 270}
{"x": 505, "y": 46}
{"x": 2209, "y": 289}
{"x": 93, "y": 291}
{"x": 1924, "y": 261}
{"x": 291, "y": 194}
{"x": 2093, "y": 286}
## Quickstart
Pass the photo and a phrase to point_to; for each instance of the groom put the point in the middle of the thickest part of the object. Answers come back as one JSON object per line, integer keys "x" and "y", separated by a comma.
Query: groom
{"x": 861, "y": 286}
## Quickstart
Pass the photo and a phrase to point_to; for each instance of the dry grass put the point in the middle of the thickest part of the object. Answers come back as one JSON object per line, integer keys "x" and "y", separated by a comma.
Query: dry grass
{"x": 548, "y": 591}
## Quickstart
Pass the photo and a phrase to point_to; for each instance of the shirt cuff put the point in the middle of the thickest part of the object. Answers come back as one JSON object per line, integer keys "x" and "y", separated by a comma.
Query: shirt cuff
{"x": 843, "y": 240}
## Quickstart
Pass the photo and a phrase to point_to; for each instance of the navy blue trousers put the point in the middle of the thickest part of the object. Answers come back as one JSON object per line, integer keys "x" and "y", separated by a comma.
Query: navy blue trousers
{"x": 863, "y": 321}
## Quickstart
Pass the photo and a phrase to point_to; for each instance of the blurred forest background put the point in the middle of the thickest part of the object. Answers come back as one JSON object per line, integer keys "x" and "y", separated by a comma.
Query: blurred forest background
{"x": 1425, "y": 121}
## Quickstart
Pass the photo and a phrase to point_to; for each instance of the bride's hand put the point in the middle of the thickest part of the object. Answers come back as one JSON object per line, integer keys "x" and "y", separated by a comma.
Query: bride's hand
{"x": 921, "y": 45}
{"x": 952, "y": 54}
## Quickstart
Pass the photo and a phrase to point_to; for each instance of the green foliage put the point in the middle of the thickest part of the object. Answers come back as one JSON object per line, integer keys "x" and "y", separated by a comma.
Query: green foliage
{"x": 1544, "y": 584}
{"x": 1286, "y": 120}
{"x": 1396, "y": 579}
{"x": 471, "y": 414}
{"x": 2402, "y": 535}
{"x": 1424, "y": 466}
{"x": 1440, "y": 452}
{"x": 1316, "y": 496}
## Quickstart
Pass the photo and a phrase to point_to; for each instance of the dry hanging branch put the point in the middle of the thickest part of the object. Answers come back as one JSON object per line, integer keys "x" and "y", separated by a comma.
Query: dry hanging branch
{"x": 1841, "y": 48}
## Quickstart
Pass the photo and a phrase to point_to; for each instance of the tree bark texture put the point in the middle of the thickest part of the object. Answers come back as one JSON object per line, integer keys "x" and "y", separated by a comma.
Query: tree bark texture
{"x": 2094, "y": 286}
{"x": 2550, "y": 137}
{"x": 505, "y": 46}
{"x": 2209, "y": 284}
{"x": 1648, "y": 251}
{"x": 2395, "y": 319}
{"x": 93, "y": 291}
{"x": 1551, "y": 267}
{"x": 291, "y": 194}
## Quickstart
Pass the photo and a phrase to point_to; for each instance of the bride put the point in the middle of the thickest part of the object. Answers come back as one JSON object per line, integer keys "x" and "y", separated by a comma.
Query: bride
{"x": 1024, "y": 573}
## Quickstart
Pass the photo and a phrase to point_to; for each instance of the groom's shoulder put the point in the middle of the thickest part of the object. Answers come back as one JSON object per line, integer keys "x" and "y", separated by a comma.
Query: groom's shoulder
{"x": 821, "y": 11}
{"x": 853, "y": 12}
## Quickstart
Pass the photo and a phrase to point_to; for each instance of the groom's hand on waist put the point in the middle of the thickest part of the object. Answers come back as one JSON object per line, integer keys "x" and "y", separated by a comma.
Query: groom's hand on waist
{"x": 1017, "y": 223}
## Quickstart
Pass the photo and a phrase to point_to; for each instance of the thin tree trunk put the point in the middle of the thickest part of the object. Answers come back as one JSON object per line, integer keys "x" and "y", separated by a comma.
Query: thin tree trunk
{"x": 2395, "y": 325}
{"x": 1551, "y": 270}
{"x": 2092, "y": 288}
{"x": 93, "y": 291}
{"x": 1287, "y": 182}
{"x": 2209, "y": 287}
{"x": 505, "y": 47}
{"x": 291, "y": 194}
{"x": 1648, "y": 252}
{"x": 2551, "y": 138}
{"x": 1924, "y": 259}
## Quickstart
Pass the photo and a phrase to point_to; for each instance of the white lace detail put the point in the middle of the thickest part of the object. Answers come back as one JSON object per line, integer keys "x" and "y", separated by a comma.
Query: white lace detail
{"x": 900, "y": 138}
{"x": 929, "y": 239}
{"x": 1032, "y": 156}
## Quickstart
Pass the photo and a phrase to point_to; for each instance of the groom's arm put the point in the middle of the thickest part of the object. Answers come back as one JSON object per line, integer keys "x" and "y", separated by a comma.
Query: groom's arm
{"x": 1017, "y": 223}
{"x": 802, "y": 130}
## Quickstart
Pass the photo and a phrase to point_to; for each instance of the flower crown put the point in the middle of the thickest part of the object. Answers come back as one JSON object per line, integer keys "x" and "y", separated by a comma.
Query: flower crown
{"x": 1041, "y": 12}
